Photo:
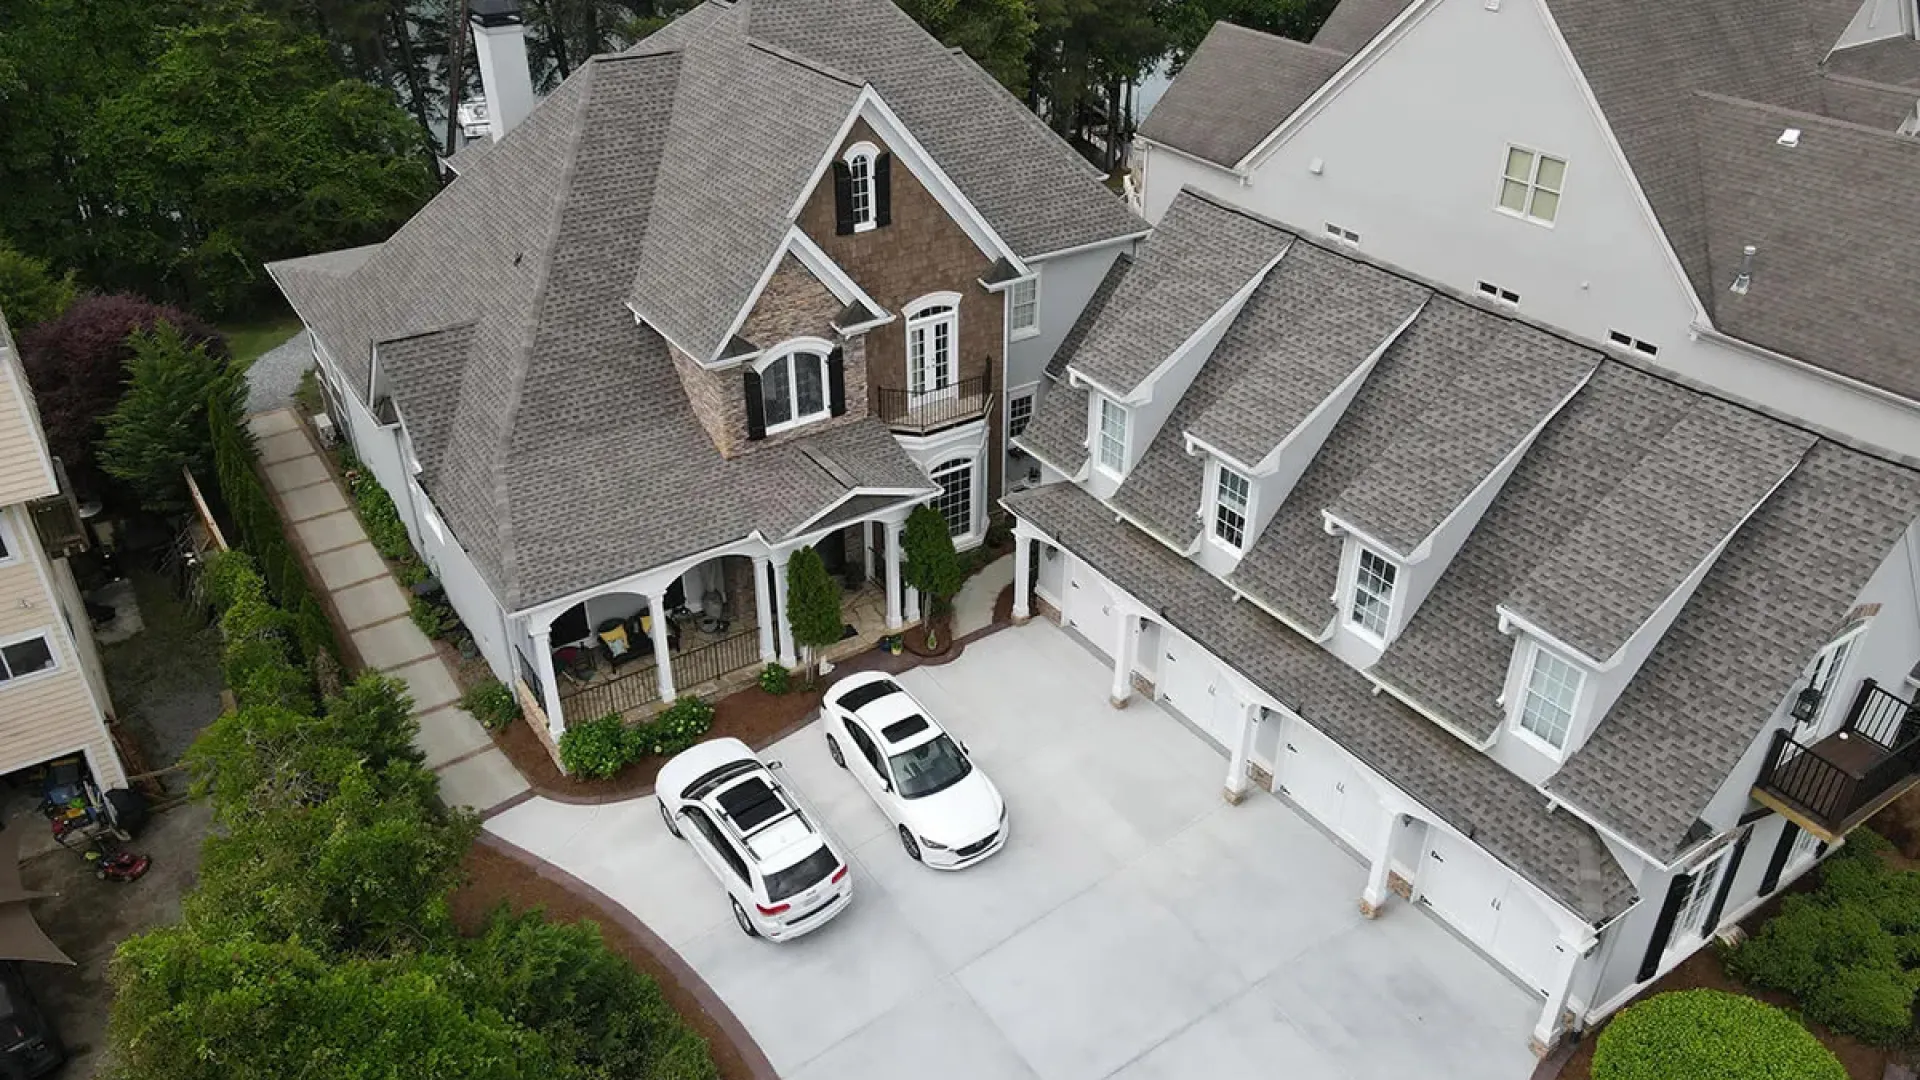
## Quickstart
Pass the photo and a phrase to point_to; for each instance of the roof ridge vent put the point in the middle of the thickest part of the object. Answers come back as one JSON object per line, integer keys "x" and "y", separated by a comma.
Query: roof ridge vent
{"x": 1789, "y": 137}
{"x": 1744, "y": 279}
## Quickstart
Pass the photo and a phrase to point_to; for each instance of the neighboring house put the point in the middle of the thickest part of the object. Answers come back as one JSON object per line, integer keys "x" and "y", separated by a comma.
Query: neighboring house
{"x": 1727, "y": 188}
{"x": 773, "y": 277}
{"x": 1584, "y": 655}
{"x": 53, "y": 695}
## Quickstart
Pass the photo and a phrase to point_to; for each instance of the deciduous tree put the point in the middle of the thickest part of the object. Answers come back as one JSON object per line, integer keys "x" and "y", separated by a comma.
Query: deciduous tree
{"x": 31, "y": 293}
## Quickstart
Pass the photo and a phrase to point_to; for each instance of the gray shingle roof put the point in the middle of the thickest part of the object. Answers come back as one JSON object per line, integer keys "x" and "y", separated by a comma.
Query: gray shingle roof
{"x": 1502, "y": 813}
{"x": 1716, "y": 678}
{"x": 1894, "y": 61}
{"x": 1356, "y": 22}
{"x": 1685, "y": 496}
{"x": 1200, "y": 255}
{"x": 1502, "y": 380}
{"x": 1206, "y": 114}
{"x": 1057, "y": 434}
{"x": 1097, "y": 303}
{"x": 1830, "y": 284}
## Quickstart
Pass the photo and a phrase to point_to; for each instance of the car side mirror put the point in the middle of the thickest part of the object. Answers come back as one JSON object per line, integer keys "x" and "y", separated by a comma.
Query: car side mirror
{"x": 965, "y": 749}
{"x": 776, "y": 764}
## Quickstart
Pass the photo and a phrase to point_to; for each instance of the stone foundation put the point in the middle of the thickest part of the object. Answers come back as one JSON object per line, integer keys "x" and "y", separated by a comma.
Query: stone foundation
{"x": 1399, "y": 886}
{"x": 535, "y": 715}
{"x": 1143, "y": 686}
{"x": 1045, "y": 608}
{"x": 1261, "y": 778}
{"x": 1369, "y": 911}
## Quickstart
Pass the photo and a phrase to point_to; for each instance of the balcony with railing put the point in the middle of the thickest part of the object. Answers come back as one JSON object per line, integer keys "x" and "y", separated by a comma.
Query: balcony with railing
{"x": 922, "y": 411}
{"x": 1831, "y": 785}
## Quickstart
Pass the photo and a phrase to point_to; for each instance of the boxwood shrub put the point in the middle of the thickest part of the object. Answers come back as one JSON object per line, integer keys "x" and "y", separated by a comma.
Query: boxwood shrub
{"x": 493, "y": 704}
{"x": 1696, "y": 1034}
{"x": 595, "y": 748}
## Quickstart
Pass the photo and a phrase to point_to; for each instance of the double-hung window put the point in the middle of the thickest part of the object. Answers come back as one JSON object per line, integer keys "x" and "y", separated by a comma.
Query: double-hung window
{"x": 27, "y": 656}
{"x": 1547, "y": 701}
{"x": 1023, "y": 308}
{"x": 1019, "y": 412}
{"x": 860, "y": 165}
{"x": 1232, "y": 495}
{"x": 1690, "y": 924}
{"x": 793, "y": 389}
{"x": 1532, "y": 184}
{"x": 1373, "y": 580}
{"x": 1111, "y": 440}
{"x": 933, "y": 330}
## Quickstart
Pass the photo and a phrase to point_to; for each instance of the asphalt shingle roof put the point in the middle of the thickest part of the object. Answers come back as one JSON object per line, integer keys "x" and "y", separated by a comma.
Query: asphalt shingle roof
{"x": 1469, "y": 791}
{"x": 1204, "y": 112}
{"x": 1356, "y": 22}
{"x": 1893, "y": 61}
{"x": 1097, "y": 303}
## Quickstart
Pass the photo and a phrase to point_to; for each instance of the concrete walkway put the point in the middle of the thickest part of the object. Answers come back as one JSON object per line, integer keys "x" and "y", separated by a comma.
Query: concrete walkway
{"x": 372, "y": 613}
{"x": 973, "y": 604}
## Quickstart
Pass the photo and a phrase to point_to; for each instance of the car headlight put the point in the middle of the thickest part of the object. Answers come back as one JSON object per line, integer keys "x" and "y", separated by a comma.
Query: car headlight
{"x": 926, "y": 843}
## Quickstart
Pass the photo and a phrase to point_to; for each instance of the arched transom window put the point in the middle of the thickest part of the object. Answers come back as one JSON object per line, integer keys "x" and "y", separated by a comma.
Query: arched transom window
{"x": 933, "y": 340}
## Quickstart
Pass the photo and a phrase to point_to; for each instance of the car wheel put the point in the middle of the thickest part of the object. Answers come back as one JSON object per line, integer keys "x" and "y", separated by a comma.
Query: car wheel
{"x": 907, "y": 841}
{"x": 746, "y": 924}
{"x": 833, "y": 748}
{"x": 667, "y": 816}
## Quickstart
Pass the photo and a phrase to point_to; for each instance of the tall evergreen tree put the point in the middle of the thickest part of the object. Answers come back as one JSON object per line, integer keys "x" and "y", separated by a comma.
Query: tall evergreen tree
{"x": 932, "y": 565}
{"x": 812, "y": 606}
{"x": 160, "y": 426}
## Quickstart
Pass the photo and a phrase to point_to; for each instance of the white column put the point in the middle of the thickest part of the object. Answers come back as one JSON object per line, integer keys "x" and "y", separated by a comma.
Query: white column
{"x": 549, "y": 685}
{"x": 1022, "y": 576}
{"x": 662, "y": 650}
{"x": 894, "y": 621}
{"x": 788, "y": 655}
{"x": 1547, "y": 1031}
{"x": 1123, "y": 649}
{"x": 1375, "y": 896}
{"x": 1237, "y": 784}
{"x": 913, "y": 604}
{"x": 763, "y": 607}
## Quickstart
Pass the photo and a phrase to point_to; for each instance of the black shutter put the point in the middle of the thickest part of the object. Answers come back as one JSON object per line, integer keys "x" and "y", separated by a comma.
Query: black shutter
{"x": 837, "y": 382}
{"x": 883, "y": 190}
{"x": 1727, "y": 874}
{"x": 756, "y": 408}
{"x": 1770, "y": 880}
{"x": 1663, "y": 926}
{"x": 842, "y": 198}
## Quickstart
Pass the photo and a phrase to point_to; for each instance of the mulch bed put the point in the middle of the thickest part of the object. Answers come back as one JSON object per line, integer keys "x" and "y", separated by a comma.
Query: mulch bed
{"x": 495, "y": 877}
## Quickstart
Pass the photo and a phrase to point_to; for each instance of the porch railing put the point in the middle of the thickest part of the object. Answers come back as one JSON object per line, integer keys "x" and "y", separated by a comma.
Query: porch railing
{"x": 925, "y": 410}
{"x": 1885, "y": 735}
{"x": 640, "y": 687}
{"x": 717, "y": 658}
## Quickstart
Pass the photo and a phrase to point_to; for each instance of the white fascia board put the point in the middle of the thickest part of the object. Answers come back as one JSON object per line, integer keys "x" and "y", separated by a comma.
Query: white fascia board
{"x": 1164, "y": 540}
{"x": 901, "y": 493}
{"x": 1003, "y": 286}
{"x": 1227, "y": 312}
{"x": 1334, "y": 525}
{"x": 1505, "y": 468}
{"x": 1271, "y": 462}
{"x": 642, "y": 317}
{"x": 1158, "y": 146}
{"x": 713, "y": 360}
{"x": 1381, "y": 686}
{"x": 1511, "y": 621}
{"x": 1318, "y": 637}
{"x": 1196, "y": 446}
{"x": 843, "y": 287}
{"x": 1126, "y": 238}
{"x": 1075, "y": 476}
{"x": 1079, "y": 380}
{"x": 860, "y": 328}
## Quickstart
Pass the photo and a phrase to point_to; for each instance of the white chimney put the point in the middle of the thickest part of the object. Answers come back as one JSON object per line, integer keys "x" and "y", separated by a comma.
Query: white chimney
{"x": 500, "y": 48}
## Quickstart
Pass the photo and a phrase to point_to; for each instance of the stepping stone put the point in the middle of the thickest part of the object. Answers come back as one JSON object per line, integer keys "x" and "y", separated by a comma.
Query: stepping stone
{"x": 392, "y": 644}
{"x": 446, "y": 734}
{"x": 364, "y": 605}
{"x": 349, "y": 566}
{"x": 311, "y": 502}
{"x": 483, "y": 781}
{"x": 298, "y": 473}
{"x": 284, "y": 447}
{"x": 329, "y": 532}
{"x": 429, "y": 683}
{"x": 273, "y": 423}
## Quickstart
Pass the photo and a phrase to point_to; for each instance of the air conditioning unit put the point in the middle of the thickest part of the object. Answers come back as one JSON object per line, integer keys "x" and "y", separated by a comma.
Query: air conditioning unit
{"x": 323, "y": 426}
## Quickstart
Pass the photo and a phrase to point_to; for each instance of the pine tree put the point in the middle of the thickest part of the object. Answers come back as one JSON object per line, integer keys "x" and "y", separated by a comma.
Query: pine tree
{"x": 160, "y": 426}
{"x": 933, "y": 567}
{"x": 813, "y": 606}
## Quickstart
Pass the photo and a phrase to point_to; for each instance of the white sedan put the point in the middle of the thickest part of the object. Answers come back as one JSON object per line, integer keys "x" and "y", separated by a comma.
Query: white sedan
{"x": 949, "y": 815}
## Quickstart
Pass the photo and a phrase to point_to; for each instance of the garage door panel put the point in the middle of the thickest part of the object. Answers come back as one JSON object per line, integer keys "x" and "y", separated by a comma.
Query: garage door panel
{"x": 1483, "y": 900}
{"x": 1527, "y": 939}
{"x": 1090, "y": 608}
{"x": 1323, "y": 780}
{"x": 1192, "y": 683}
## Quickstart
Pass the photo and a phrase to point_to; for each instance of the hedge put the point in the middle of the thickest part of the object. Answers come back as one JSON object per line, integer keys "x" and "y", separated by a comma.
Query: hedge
{"x": 1696, "y": 1034}
{"x": 601, "y": 747}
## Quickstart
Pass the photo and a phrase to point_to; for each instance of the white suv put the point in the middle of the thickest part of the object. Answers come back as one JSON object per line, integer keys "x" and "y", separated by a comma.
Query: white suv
{"x": 784, "y": 875}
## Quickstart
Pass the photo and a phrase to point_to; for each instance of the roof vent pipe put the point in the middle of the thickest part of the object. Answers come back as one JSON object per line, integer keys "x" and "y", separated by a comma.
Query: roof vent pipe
{"x": 1789, "y": 137}
{"x": 500, "y": 50}
{"x": 1744, "y": 278}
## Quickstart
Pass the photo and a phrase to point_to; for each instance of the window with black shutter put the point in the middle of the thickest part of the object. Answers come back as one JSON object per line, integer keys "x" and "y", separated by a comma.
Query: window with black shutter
{"x": 843, "y": 213}
{"x": 756, "y": 407}
{"x": 837, "y": 382}
{"x": 1677, "y": 891}
{"x": 883, "y": 190}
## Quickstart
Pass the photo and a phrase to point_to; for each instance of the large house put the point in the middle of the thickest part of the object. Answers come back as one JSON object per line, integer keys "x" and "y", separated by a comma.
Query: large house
{"x": 53, "y": 694}
{"x": 770, "y": 279}
{"x": 1447, "y": 457}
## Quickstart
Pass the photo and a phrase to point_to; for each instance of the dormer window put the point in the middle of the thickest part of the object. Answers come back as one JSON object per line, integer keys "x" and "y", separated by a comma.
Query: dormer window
{"x": 862, "y": 189}
{"x": 1110, "y": 442}
{"x": 1232, "y": 508}
{"x": 1549, "y": 698}
{"x": 797, "y": 384}
{"x": 1371, "y": 608}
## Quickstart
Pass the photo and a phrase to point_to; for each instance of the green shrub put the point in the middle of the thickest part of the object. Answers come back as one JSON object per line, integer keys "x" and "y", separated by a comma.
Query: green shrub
{"x": 409, "y": 571}
{"x": 229, "y": 577}
{"x": 1695, "y": 1034}
{"x": 377, "y": 512}
{"x": 257, "y": 660}
{"x": 595, "y": 748}
{"x": 1800, "y": 947}
{"x": 775, "y": 679}
{"x": 683, "y": 723}
{"x": 1872, "y": 1003}
{"x": 493, "y": 704}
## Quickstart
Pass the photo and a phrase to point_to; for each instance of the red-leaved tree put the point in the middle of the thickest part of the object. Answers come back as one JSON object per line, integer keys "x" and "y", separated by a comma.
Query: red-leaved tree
{"x": 77, "y": 365}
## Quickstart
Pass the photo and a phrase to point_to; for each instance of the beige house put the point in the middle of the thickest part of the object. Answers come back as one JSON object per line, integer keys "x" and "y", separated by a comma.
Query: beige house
{"x": 53, "y": 696}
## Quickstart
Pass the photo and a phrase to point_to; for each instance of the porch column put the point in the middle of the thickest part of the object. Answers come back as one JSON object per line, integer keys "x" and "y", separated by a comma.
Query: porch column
{"x": 913, "y": 604}
{"x": 788, "y": 655}
{"x": 1237, "y": 783}
{"x": 894, "y": 621}
{"x": 662, "y": 643}
{"x": 763, "y": 607}
{"x": 549, "y": 684}
{"x": 1546, "y": 1032}
{"x": 1123, "y": 649}
{"x": 1022, "y": 575}
{"x": 1375, "y": 896}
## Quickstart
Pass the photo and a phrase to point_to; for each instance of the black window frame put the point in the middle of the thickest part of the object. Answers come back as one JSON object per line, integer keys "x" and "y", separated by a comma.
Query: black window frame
{"x": 8, "y": 675}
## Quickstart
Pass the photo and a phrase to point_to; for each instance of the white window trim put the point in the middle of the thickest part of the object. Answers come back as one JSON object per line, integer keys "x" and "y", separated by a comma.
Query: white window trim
{"x": 1535, "y": 652}
{"x": 1352, "y": 593}
{"x": 1216, "y": 470}
{"x": 787, "y": 349}
{"x": 11, "y": 549}
{"x": 52, "y": 638}
{"x": 974, "y": 491}
{"x": 1533, "y": 185}
{"x": 1016, "y": 332}
{"x": 1801, "y": 855}
{"x": 1030, "y": 393}
{"x": 1686, "y": 934}
{"x": 1100, "y": 405}
{"x": 1823, "y": 719}
{"x": 872, "y": 155}
{"x": 913, "y": 317}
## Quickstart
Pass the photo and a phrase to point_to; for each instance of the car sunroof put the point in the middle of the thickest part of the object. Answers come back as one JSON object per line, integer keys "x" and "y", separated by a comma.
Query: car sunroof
{"x": 901, "y": 729}
{"x": 751, "y": 804}
{"x": 861, "y": 696}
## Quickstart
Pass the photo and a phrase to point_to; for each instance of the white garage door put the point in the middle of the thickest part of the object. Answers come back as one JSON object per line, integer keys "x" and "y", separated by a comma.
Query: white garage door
{"x": 1320, "y": 777}
{"x": 1481, "y": 899}
{"x": 1191, "y": 682}
{"x": 1090, "y": 609}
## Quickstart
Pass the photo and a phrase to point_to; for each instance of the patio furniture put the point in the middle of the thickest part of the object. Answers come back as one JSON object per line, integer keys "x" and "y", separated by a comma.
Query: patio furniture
{"x": 623, "y": 640}
{"x": 716, "y": 613}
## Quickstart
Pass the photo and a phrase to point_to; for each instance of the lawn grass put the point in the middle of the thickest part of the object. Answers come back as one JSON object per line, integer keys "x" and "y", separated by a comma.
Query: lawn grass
{"x": 249, "y": 340}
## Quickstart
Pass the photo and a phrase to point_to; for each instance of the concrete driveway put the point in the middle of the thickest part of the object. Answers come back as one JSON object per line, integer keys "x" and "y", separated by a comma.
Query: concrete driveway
{"x": 1135, "y": 926}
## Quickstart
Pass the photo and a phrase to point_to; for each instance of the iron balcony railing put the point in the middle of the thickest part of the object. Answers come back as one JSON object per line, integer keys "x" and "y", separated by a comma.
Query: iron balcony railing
{"x": 1838, "y": 780}
{"x": 639, "y": 687}
{"x": 928, "y": 410}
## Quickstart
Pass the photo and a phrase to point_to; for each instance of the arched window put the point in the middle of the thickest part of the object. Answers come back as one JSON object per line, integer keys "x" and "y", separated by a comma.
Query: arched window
{"x": 955, "y": 501}
{"x": 793, "y": 386}
{"x": 860, "y": 159}
{"x": 933, "y": 339}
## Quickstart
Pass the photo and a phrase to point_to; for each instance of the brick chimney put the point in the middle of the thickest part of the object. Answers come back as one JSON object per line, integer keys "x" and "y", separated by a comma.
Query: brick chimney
{"x": 500, "y": 48}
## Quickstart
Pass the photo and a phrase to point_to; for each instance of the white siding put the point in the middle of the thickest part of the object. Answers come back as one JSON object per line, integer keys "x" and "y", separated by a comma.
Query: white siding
{"x": 1067, "y": 282}
{"x": 25, "y": 471}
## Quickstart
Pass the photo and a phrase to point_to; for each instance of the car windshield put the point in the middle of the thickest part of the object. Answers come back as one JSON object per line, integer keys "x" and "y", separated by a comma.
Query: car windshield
{"x": 802, "y": 875}
{"x": 934, "y": 765}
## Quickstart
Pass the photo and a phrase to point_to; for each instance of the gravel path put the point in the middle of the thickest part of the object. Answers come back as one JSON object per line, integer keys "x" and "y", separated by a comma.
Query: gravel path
{"x": 274, "y": 377}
